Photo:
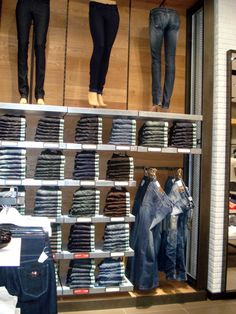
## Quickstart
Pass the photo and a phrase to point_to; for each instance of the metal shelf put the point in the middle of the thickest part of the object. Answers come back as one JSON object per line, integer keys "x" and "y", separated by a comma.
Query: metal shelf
{"x": 66, "y": 182}
{"x": 125, "y": 287}
{"x": 98, "y": 253}
{"x": 33, "y": 109}
{"x": 97, "y": 219}
{"x": 168, "y": 116}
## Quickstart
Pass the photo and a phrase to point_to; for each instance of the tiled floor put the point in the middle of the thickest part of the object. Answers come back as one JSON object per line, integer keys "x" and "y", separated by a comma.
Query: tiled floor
{"x": 203, "y": 307}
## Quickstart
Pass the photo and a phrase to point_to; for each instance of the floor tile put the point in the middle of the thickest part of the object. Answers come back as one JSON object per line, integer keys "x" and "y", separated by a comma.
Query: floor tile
{"x": 153, "y": 309}
{"x": 205, "y": 304}
{"x": 161, "y": 310}
{"x": 110, "y": 311}
{"x": 227, "y": 308}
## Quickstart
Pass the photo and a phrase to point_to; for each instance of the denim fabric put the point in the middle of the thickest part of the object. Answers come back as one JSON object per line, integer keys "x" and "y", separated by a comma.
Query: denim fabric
{"x": 104, "y": 23}
{"x": 145, "y": 239}
{"x": 32, "y": 282}
{"x": 111, "y": 272}
{"x": 81, "y": 274}
{"x": 89, "y": 130}
{"x": 164, "y": 25}
{"x": 27, "y": 11}
{"x": 12, "y": 128}
{"x": 123, "y": 132}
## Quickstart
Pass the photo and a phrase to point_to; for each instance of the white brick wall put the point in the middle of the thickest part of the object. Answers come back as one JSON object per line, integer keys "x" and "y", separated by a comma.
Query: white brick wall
{"x": 225, "y": 39}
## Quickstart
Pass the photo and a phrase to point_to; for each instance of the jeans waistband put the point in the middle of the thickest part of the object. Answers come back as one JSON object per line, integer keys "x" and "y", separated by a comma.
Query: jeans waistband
{"x": 102, "y": 5}
{"x": 163, "y": 10}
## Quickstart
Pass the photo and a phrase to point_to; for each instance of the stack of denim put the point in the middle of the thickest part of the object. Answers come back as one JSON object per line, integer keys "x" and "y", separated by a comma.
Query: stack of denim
{"x": 81, "y": 274}
{"x": 89, "y": 130}
{"x": 120, "y": 167}
{"x": 116, "y": 237}
{"x": 183, "y": 135}
{"x": 154, "y": 133}
{"x": 21, "y": 195}
{"x": 123, "y": 132}
{"x": 56, "y": 238}
{"x": 86, "y": 165}
{"x": 81, "y": 238}
{"x": 12, "y": 163}
{"x": 48, "y": 201}
{"x": 12, "y": 128}
{"x": 117, "y": 202}
{"x": 50, "y": 129}
{"x": 50, "y": 165}
{"x": 86, "y": 203}
{"x": 111, "y": 272}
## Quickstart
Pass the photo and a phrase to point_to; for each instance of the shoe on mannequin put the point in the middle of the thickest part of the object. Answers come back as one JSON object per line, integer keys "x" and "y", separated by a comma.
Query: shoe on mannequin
{"x": 101, "y": 102}
{"x": 93, "y": 99}
{"x": 23, "y": 101}
{"x": 40, "y": 101}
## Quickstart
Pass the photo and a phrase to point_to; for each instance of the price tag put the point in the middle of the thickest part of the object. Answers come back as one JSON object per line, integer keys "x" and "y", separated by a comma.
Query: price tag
{"x": 121, "y": 183}
{"x": 84, "y": 220}
{"x": 80, "y": 291}
{"x": 49, "y": 182}
{"x": 117, "y": 254}
{"x": 74, "y": 146}
{"x": 113, "y": 289}
{"x": 122, "y": 147}
{"x": 9, "y": 143}
{"x": 50, "y": 145}
{"x": 62, "y": 145}
{"x": 13, "y": 182}
{"x": 87, "y": 183}
{"x": 117, "y": 219}
{"x": 142, "y": 149}
{"x": 154, "y": 149}
{"x": 184, "y": 150}
{"x": 89, "y": 146}
{"x": 68, "y": 182}
{"x": 81, "y": 255}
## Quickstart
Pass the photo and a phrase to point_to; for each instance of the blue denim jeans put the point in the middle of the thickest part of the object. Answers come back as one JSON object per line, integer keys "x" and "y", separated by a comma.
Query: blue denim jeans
{"x": 142, "y": 269}
{"x": 164, "y": 25}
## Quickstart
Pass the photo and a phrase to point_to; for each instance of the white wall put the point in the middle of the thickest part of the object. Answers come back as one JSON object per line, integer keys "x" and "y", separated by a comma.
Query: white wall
{"x": 225, "y": 39}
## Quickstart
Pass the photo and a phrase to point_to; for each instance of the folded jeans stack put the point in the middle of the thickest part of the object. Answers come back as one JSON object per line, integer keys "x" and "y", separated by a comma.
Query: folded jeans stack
{"x": 48, "y": 201}
{"x": 50, "y": 165}
{"x": 86, "y": 166}
{"x": 50, "y": 129}
{"x": 111, "y": 272}
{"x": 56, "y": 238}
{"x": 123, "y": 132}
{"x": 12, "y": 128}
{"x": 116, "y": 237}
{"x": 183, "y": 135}
{"x": 86, "y": 203}
{"x": 12, "y": 163}
{"x": 89, "y": 130}
{"x": 81, "y": 238}
{"x": 120, "y": 167}
{"x": 81, "y": 274}
{"x": 154, "y": 133}
{"x": 117, "y": 202}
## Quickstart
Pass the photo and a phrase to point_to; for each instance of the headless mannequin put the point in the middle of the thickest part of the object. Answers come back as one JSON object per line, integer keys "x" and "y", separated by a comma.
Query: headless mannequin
{"x": 94, "y": 98}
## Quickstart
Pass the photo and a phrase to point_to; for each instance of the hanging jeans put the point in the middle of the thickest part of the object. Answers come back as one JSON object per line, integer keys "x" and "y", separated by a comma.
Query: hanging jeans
{"x": 164, "y": 24}
{"x": 27, "y": 11}
{"x": 104, "y": 23}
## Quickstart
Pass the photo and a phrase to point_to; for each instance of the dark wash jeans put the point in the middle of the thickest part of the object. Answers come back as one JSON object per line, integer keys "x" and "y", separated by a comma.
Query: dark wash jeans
{"x": 32, "y": 282}
{"x": 164, "y": 25}
{"x": 104, "y": 23}
{"x": 38, "y": 12}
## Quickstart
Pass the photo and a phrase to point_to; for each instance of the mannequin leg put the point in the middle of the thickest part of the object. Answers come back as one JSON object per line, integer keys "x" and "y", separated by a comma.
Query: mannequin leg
{"x": 41, "y": 16}
{"x": 101, "y": 102}
{"x": 23, "y": 23}
{"x": 93, "y": 99}
{"x": 23, "y": 101}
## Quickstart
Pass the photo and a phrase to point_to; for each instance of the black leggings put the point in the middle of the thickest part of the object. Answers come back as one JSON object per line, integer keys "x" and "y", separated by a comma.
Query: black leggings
{"x": 27, "y": 11}
{"x": 104, "y": 23}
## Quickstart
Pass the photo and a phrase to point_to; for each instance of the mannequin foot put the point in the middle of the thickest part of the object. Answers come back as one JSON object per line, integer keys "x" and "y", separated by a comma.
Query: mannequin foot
{"x": 101, "y": 102}
{"x": 40, "y": 101}
{"x": 23, "y": 101}
{"x": 156, "y": 108}
{"x": 163, "y": 109}
{"x": 93, "y": 99}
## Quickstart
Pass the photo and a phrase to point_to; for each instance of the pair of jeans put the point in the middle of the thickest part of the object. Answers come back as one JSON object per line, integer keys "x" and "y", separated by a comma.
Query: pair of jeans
{"x": 89, "y": 130}
{"x": 104, "y": 24}
{"x": 86, "y": 203}
{"x": 174, "y": 236}
{"x": 48, "y": 202}
{"x": 120, "y": 167}
{"x": 81, "y": 274}
{"x": 81, "y": 238}
{"x": 32, "y": 282}
{"x": 56, "y": 238}
{"x": 50, "y": 129}
{"x": 86, "y": 165}
{"x": 38, "y": 12}
{"x": 153, "y": 133}
{"x": 152, "y": 206}
{"x": 116, "y": 237}
{"x": 163, "y": 26}
{"x": 111, "y": 272}
{"x": 12, "y": 128}
{"x": 123, "y": 132}
{"x": 12, "y": 163}
{"x": 117, "y": 202}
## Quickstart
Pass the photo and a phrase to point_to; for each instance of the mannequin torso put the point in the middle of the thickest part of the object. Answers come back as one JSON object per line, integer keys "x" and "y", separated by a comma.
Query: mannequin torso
{"x": 106, "y": 1}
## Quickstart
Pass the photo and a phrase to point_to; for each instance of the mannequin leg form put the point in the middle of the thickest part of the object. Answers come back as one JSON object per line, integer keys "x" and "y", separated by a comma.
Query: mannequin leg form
{"x": 101, "y": 102}
{"x": 23, "y": 101}
{"x": 93, "y": 99}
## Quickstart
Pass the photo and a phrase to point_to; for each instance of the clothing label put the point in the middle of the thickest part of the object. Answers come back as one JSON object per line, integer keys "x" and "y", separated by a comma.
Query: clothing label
{"x": 80, "y": 291}
{"x": 173, "y": 222}
{"x": 43, "y": 257}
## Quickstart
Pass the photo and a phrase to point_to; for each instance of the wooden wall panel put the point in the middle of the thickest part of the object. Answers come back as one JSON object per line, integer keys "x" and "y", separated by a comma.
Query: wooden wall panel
{"x": 140, "y": 81}
{"x": 79, "y": 52}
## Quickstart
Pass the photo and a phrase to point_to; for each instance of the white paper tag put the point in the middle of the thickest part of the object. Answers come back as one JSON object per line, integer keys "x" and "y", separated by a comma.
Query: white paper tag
{"x": 43, "y": 257}
{"x": 179, "y": 183}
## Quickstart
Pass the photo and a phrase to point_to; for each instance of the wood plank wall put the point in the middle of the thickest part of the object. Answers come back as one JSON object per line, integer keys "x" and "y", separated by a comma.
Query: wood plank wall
{"x": 128, "y": 83}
